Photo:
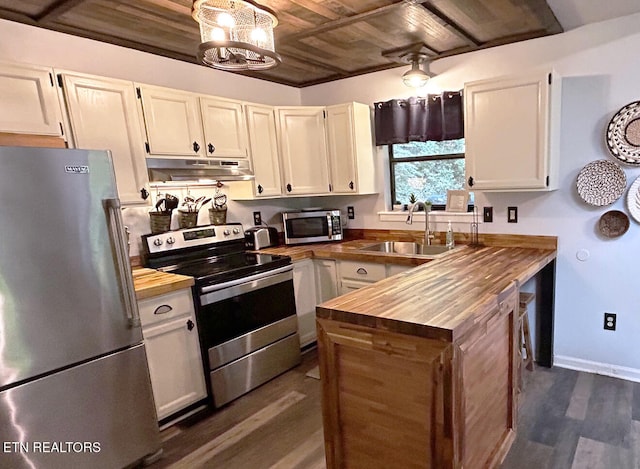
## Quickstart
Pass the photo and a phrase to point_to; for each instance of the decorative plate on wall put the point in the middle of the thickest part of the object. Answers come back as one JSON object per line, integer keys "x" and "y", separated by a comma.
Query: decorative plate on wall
{"x": 623, "y": 134}
{"x": 601, "y": 182}
{"x": 613, "y": 223}
{"x": 633, "y": 200}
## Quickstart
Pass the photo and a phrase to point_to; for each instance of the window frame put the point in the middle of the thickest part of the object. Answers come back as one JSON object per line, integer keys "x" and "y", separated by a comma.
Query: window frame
{"x": 392, "y": 179}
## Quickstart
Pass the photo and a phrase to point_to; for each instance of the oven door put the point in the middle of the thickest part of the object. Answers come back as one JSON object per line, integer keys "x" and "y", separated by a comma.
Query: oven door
{"x": 248, "y": 331}
{"x": 312, "y": 227}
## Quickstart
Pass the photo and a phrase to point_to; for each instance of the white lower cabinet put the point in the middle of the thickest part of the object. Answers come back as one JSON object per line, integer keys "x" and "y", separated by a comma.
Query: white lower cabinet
{"x": 354, "y": 275}
{"x": 173, "y": 351}
{"x": 326, "y": 279}
{"x": 304, "y": 286}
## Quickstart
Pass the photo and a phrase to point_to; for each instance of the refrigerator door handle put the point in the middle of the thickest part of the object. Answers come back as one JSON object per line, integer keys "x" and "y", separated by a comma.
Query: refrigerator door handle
{"x": 121, "y": 259}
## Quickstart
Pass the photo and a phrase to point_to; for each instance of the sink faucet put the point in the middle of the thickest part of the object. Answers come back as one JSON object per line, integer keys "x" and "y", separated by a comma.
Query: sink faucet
{"x": 427, "y": 208}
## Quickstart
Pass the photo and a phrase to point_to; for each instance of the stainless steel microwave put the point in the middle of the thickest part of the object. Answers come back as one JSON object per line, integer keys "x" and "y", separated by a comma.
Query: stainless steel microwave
{"x": 312, "y": 226}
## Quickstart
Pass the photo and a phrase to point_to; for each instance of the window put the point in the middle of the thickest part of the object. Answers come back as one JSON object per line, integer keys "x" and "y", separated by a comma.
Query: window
{"x": 427, "y": 170}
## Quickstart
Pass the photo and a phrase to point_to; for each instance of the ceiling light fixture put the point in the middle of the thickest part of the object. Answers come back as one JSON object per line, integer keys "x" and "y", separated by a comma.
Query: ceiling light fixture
{"x": 416, "y": 77}
{"x": 236, "y": 34}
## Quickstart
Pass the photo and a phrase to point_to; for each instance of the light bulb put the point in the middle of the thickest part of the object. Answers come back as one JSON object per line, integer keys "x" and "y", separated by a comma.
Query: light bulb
{"x": 258, "y": 35}
{"x": 415, "y": 78}
{"x": 218, "y": 34}
{"x": 226, "y": 20}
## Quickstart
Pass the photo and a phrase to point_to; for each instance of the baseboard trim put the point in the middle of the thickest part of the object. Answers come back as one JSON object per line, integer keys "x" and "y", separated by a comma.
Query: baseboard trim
{"x": 615, "y": 371}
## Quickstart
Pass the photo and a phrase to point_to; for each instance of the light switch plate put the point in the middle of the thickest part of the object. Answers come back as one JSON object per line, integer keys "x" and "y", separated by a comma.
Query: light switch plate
{"x": 487, "y": 214}
{"x": 512, "y": 214}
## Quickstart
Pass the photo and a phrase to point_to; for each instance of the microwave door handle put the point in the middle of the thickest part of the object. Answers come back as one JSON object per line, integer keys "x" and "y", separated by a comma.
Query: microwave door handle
{"x": 330, "y": 225}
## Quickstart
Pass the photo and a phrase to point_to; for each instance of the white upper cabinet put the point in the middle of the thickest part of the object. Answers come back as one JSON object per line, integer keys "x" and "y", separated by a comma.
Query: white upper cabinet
{"x": 512, "y": 132}
{"x": 224, "y": 126}
{"x": 263, "y": 143}
{"x": 103, "y": 116}
{"x": 29, "y": 100}
{"x": 303, "y": 149}
{"x": 172, "y": 121}
{"x": 350, "y": 148}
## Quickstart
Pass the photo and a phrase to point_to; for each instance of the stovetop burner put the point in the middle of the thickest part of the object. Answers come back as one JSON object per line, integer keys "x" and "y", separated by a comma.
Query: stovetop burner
{"x": 230, "y": 267}
{"x": 211, "y": 254}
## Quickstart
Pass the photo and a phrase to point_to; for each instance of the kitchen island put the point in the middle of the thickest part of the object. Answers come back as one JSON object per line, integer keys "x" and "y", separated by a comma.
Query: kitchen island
{"x": 418, "y": 370}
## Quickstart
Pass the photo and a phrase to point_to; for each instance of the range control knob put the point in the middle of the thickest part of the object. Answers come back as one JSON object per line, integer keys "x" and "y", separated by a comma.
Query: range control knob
{"x": 171, "y": 240}
{"x": 236, "y": 230}
{"x": 157, "y": 242}
{"x": 226, "y": 232}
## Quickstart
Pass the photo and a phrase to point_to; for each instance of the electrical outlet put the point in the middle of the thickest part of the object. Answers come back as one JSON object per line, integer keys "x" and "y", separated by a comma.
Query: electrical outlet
{"x": 257, "y": 218}
{"x": 610, "y": 321}
{"x": 487, "y": 214}
{"x": 351, "y": 214}
{"x": 512, "y": 214}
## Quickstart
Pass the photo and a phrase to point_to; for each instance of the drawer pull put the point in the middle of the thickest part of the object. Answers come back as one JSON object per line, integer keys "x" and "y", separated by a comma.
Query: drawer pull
{"x": 362, "y": 271}
{"x": 190, "y": 325}
{"x": 163, "y": 309}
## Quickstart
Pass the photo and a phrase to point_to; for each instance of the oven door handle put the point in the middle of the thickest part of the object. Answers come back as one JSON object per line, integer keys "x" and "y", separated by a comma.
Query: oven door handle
{"x": 222, "y": 291}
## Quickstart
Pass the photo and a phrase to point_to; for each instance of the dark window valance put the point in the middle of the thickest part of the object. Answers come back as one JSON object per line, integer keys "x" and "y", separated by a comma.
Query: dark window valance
{"x": 437, "y": 117}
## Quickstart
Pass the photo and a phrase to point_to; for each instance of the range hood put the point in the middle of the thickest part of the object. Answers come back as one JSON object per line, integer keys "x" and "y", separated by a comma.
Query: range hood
{"x": 179, "y": 170}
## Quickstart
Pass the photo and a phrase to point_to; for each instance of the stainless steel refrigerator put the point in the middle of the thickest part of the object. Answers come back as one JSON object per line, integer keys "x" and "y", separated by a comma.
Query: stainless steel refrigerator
{"x": 74, "y": 382}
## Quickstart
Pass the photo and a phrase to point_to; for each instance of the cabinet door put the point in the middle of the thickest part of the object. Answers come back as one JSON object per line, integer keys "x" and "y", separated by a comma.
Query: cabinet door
{"x": 304, "y": 286}
{"x": 175, "y": 364}
{"x": 326, "y": 279}
{"x": 103, "y": 116}
{"x": 28, "y": 100}
{"x": 508, "y": 134}
{"x": 172, "y": 121}
{"x": 261, "y": 124}
{"x": 341, "y": 142}
{"x": 303, "y": 149}
{"x": 225, "y": 131}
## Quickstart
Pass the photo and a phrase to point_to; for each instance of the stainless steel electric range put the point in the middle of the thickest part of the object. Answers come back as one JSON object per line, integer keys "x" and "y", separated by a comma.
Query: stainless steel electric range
{"x": 245, "y": 306}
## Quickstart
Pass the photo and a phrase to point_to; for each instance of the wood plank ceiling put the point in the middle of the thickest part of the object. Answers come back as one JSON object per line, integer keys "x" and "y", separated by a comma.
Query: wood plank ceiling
{"x": 319, "y": 40}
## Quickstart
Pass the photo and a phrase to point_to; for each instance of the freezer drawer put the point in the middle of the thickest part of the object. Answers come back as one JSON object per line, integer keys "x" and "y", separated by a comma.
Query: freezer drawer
{"x": 98, "y": 415}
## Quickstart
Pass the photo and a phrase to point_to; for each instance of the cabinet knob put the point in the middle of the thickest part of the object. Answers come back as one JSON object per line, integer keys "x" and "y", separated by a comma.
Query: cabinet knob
{"x": 351, "y": 185}
{"x": 196, "y": 147}
{"x": 260, "y": 189}
{"x": 190, "y": 324}
{"x": 212, "y": 148}
{"x": 144, "y": 193}
{"x": 362, "y": 271}
{"x": 470, "y": 181}
{"x": 288, "y": 187}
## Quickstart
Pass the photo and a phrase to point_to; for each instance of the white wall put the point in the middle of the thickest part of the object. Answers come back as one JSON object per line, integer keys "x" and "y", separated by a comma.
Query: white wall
{"x": 600, "y": 75}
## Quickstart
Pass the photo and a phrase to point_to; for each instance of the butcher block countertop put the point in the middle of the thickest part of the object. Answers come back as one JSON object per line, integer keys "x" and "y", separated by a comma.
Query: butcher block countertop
{"x": 149, "y": 282}
{"x": 442, "y": 299}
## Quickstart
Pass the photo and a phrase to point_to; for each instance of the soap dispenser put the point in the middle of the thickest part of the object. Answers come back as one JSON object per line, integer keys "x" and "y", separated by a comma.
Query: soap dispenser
{"x": 450, "y": 242}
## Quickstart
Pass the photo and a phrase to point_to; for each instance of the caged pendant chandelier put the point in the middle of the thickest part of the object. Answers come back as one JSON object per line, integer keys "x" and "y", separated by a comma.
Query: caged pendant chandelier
{"x": 236, "y": 34}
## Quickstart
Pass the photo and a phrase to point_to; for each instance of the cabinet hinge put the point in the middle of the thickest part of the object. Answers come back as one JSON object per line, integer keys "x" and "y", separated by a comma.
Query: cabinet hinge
{"x": 60, "y": 81}
{"x": 324, "y": 114}
{"x": 138, "y": 92}
{"x": 147, "y": 147}
{"x": 61, "y": 128}
{"x": 51, "y": 79}
{"x": 547, "y": 181}
{"x": 330, "y": 188}
{"x": 549, "y": 78}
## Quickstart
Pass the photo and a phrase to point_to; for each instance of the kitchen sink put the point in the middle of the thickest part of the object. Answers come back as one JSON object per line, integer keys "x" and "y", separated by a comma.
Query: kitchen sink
{"x": 406, "y": 247}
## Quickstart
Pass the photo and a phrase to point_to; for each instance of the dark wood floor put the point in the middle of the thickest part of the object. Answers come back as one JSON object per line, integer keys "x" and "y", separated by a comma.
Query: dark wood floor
{"x": 568, "y": 419}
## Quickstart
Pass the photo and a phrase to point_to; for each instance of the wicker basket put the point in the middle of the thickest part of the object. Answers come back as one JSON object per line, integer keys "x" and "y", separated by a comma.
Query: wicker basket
{"x": 160, "y": 222}
{"x": 187, "y": 219}
{"x": 218, "y": 216}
